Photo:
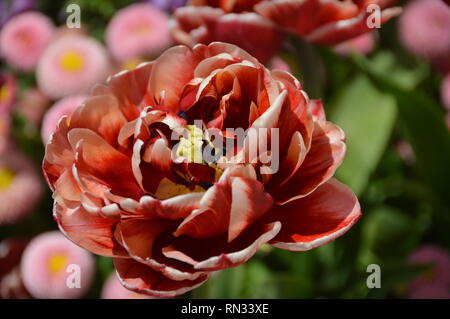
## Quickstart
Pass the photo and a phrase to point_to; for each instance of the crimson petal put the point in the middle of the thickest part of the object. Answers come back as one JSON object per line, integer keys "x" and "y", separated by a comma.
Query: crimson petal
{"x": 312, "y": 221}
{"x": 141, "y": 278}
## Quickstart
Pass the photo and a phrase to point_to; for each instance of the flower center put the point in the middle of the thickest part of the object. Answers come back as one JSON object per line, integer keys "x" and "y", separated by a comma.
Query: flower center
{"x": 141, "y": 29}
{"x": 72, "y": 61}
{"x": 56, "y": 263}
{"x": 5, "y": 93}
{"x": 6, "y": 178}
{"x": 24, "y": 37}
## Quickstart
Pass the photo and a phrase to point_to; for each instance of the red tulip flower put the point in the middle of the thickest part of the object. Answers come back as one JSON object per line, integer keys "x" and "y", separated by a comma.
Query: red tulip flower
{"x": 227, "y": 21}
{"x": 328, "y": 22}
{"x": 257, "y": 25}
{"x": 127, "y": 186}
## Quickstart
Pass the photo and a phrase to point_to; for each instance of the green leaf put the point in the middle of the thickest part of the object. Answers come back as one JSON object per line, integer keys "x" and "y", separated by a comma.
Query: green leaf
{"x": 385, "y": 62}
{"x": 367, "y": 117}
{"x": 394, "y": 279}
{"x": 424, "y": 126}
{"x": 228, "y": 283}
{"x": 388, "y": 233}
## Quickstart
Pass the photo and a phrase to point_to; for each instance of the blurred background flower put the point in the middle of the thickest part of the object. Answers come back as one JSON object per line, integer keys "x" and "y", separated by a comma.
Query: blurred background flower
{"x": 71, "y": 65}
{"x": 138, "y": 31}
{"x": 424, "y": 27}
{"x": 20, "y": 186}
{"x": 435, "y": 283}
{"x": 23, "y": 39}
{"x": 167, "y": 5}
{"x": 44, "y": 267}
{"x": 364, "y": 44}
{"x": 8, "y": 88}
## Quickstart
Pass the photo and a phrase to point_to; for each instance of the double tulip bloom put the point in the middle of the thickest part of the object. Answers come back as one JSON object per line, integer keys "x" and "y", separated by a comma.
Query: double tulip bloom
{"x": 168, "y": 224}
{"x": 258, "y": 26}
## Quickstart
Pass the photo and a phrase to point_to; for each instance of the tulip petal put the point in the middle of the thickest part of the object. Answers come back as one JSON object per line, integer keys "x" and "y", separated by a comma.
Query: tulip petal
{"x": 302, "y": 17}
{"x": 130, "y": 88}
{"x": 337, "y": 32}
{"x": 102, "y": 115}
{"x": 326, "y": 154}
{"x": 312, "y": 221}
{"x": 249, "y": 202}
{"x": 98, "y": 158}
{"x": 58, "y": 153}
{"x": 137, "y": 235}
{"x": 171, "y": 72}
{"x": 217, "y": 253}
{"x": 143, "y": 279}
{"x": 91, "y": 232}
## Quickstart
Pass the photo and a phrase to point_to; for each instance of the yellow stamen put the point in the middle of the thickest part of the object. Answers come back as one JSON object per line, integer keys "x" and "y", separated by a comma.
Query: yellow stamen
{"x": 56, "y": 263}
{"x": 167, "y": 189}
{"x": 72, "y": 61}
{"x": 191, "y": 147}
{"x": 6, "y": 178}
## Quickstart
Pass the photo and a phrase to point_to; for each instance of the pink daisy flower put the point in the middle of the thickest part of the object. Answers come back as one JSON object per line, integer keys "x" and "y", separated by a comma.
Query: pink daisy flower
{"x": 364, "y": 44}
{"x": 48, "y": 262}
{"x": 136, "y": 31}
{"x": 71, "y": 65}
{"x": 24, "y": 38}
{"x": 65, "y": 106}
{"x": 445, "y": 91}
{"x": 439, "y": 274}
{"x": 8, "y": 90}
{"x": 113, "y": 289}
{"x": 424, "y": 28}
{"x": 20, "y": 186}
{"x": 433, "y": 291}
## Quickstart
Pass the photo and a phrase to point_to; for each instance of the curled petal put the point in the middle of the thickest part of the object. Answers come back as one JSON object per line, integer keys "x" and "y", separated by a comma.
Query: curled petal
{"x": 314, "y": 220}
{"x": 98, "y": 158}
{"x": 326, "y": 154}
{"x": 176, "y": 207}
{"x": 216, "y": 253}
{"x": 102, "y": 115}
{"x": 130, "y": 88}
{"x": 143, "y": 279}
{"x": 137, "y": 235}
{"x": 91, "y": 232}
{"x": 58, "y": 153}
